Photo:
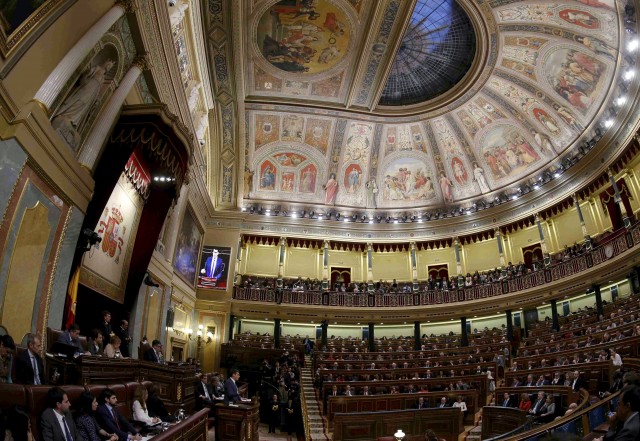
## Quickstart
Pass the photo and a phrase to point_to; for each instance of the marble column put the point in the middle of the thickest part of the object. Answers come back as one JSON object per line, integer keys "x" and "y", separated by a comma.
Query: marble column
{"x": 372, "y": 338}
{"x": 281, "y": 252}
{"x": 414, "y": 267}
{"x": 369, "y": 267}
{"x": 325, "y": 266}
{"x": 626, "y": 218}
{"x": 417, "y": 343}
{"x": 232, "y": 319}
{"x": 555, "y": 323}
{"x": 585, "y": 234}
{"x": 503, "y": 262}
{"x": 92, "y": 149}
{"x": 509, "y": 324}
{"x": 276, "y": 333}
{"x": 543, "y": 243}
{"x": 323, "y": 337}
{"x": 465, "y": 336}
{"x": 238, "y": 276}
{"x": 456, "y": 250}
{"x": 598, "y": 294}
{"x": 65, "y": 69}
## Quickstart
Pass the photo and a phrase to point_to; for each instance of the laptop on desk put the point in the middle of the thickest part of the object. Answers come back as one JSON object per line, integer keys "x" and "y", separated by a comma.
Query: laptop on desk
{"x": 64, "y": 350}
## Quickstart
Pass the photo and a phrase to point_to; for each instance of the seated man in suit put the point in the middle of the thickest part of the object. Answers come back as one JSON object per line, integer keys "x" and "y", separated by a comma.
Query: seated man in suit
{"x": 443, "y": 402}
{"x": 111, "y": 420}
{"x": 29, "y": 365}
{"x": 231, "y": 394}
{"x": 154, "y": 353}
{"x": 70, "y": 338}
{"x": 204, "y": 393}
{"x": 95, "y": 343}
{"x": 421, "y": 404}
{"x": 56, "y": 422}
{"x": 625, "y": 423}
{"x": 536, "y": 409}
{"x": 507, "y": 401}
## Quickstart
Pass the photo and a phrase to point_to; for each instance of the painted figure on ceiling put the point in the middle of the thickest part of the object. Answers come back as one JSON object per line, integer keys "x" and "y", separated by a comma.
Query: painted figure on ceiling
{"x": 331, "y": 190}
{"x": 372, "y": 193}
{"x": 445, "y": 186}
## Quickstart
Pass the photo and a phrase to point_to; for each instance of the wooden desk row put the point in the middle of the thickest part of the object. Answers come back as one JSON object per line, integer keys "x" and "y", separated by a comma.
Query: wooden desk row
{"x": 380, "y": 403}
{"x": 175, "y": 383}
{"x": 367, "y": 426}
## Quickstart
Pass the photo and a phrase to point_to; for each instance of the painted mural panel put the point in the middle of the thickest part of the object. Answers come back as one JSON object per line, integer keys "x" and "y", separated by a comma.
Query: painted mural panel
{"x": 303, "y": 36}
{"x": 317, "y": 133}
{"x": 407, "y": 180}
{"x": 575, "y": 76}
{"x": 267, "y": 176}
{"x": 188, "y": 244}
{"x": 507, "y": 152}
{"x": 105, "y": 267}
{"x": 267, "y": 129}
{"x": 308, "y": 179}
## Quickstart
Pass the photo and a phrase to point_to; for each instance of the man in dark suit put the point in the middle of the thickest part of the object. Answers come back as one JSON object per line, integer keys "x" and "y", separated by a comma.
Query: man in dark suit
{"x": 56, "y": 422}
{"x": 70, "y": 338}
{"x": 624, "y": 425}
{"x": 537, "y": 406}
{"x": 105, "y": 327}
{"x": 274, "y": 413}
{"x": 507, "y": 401}
{"x": 29, "y": 365}
{"x": 204, "y": 393}
{"x": 231, "y": 394}
{"x": 578, "y": 382}
{"x": 111, "y": 420}
{"x": 421, "y": 404}
{"x": 123, "y": 333}
{"x": 443, "y": 402}
{"x": 154, "y": 353}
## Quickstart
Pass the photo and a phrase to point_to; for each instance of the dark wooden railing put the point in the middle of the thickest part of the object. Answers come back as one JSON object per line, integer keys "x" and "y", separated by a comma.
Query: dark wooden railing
{"x": 608, "y": 248}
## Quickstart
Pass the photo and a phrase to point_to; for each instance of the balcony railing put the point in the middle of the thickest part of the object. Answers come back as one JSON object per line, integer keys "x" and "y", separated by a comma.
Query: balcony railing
{"x": 614, "y": 245}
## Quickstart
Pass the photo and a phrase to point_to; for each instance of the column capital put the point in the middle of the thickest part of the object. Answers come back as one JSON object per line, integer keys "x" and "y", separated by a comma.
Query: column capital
{"x": 326, "y": 243}
{"x": 129, "y": 6}
{"x": 537, "y": 217}
{"x": 283, "y": 240}
{"x": 456, "y": 241}
{"x": 575, "y": 198}
{"x": 497, "y": 232}
{"x": 610, "y": 172}
{"x": 143, "y": 62}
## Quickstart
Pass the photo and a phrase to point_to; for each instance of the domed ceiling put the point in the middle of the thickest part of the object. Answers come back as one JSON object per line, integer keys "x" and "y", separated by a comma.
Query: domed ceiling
{"x": 393, "y": 105}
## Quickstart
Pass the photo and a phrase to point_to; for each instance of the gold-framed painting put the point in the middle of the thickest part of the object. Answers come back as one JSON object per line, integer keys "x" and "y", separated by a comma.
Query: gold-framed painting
{"x": 22, "y": 21}
{"x": 189, "y": 242}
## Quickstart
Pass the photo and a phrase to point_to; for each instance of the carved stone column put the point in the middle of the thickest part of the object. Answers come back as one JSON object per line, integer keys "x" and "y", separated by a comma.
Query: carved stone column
{"x": 92, "y": 148}
{"x": 543, "y": 244}
{"x": 53, "y": 85}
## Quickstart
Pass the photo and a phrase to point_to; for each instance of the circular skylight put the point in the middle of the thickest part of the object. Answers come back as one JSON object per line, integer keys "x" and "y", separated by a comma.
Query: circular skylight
{"x": 436, "y": 51}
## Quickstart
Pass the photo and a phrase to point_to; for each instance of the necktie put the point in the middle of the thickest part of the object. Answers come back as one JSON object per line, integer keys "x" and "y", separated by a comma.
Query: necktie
{"x": 36, "y": 374}
{"x": 67, "y": 433}
{"x": 206, "y": 392}
{"x": 115, "y": 417}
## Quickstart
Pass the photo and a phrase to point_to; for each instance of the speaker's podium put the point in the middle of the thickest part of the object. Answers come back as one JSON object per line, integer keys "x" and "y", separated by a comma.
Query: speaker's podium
{"x": 238, "y": 422}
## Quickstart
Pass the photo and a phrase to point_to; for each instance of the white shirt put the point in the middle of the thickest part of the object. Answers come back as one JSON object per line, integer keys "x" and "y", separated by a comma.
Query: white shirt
{"x": 617, "y": 361}
{"x": 462, "y": 405}
{"x": 63, "y": 425}
{"x": 140, "y": 414}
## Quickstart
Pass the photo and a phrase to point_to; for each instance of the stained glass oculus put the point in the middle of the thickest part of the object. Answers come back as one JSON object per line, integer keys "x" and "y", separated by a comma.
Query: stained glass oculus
{"x": 436, "y": 52}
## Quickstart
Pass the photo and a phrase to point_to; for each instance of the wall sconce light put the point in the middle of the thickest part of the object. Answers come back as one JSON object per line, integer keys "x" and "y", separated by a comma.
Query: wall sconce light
{"x": 399, "y": 435}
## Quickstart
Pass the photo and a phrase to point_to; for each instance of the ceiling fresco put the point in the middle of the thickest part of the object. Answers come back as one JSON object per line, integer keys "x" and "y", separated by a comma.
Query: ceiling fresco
{"x": 553, "y": 68}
